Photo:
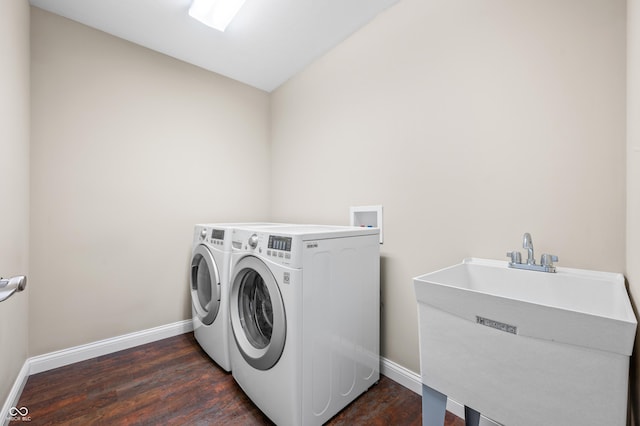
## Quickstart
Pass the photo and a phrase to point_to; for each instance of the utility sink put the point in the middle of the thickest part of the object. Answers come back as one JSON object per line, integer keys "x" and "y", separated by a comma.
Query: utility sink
{"x": 525, "y": 347}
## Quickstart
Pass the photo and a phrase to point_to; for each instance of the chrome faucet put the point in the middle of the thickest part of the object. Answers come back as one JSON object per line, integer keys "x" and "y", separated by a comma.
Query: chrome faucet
{"x": 527, "y": 243}
{"x": 546, "y": 261}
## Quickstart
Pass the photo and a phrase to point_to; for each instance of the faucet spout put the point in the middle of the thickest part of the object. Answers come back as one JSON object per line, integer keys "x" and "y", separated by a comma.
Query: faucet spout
{"x": 546, "y": 263}
{"x": 527, "y": 243}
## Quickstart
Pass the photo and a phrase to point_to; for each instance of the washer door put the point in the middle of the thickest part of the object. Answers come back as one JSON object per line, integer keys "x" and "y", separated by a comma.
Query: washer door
{"x": 205, "y": 285}
{"x": 257, "y": 313}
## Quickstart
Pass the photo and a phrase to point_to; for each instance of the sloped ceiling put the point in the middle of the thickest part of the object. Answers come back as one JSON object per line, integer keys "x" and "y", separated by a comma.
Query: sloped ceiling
{"x": 268, "y": 42}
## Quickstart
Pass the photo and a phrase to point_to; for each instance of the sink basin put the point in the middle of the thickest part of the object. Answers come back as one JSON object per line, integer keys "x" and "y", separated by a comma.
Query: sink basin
{"x": 580, "y": 307}
{"x": 526, "y": 347}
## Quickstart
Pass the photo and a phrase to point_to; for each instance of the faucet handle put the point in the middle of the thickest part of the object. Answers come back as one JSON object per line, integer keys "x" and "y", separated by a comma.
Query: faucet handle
{"x": 548, "y": 259}
{"x": 515, "y": 256}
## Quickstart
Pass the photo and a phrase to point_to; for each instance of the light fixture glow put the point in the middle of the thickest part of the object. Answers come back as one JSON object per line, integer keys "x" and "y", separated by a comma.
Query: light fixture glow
{"x": 215, "y": 13}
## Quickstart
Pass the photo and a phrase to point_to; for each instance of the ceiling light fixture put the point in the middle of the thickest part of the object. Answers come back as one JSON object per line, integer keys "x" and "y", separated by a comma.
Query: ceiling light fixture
{"x": 215, "y": 13}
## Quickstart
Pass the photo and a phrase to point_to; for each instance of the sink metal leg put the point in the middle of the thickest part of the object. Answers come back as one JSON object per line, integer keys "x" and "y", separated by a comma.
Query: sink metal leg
{"x": 434, "y": 406}
{"x": 471, "y": 417}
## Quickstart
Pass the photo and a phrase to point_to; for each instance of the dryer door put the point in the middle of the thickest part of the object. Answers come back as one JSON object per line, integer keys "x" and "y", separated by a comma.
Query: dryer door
{"x": 205, "y": 285}
{"x": 257, "y": 313}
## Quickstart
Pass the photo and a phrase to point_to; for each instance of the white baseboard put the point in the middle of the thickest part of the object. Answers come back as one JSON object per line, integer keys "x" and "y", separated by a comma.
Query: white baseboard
{"x": 40, "y": 363}
{"x": 401, "y": 375}
{"x": 413, "y": 382}
{"x": 14, "y": 393}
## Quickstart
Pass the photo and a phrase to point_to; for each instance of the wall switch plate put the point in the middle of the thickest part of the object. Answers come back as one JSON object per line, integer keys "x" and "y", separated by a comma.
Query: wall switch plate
{"x": 367, "y": 216}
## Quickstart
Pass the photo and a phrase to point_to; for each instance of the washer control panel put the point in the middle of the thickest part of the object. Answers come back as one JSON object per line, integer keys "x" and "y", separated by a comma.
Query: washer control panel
{"x": 277, "y": 248}
{"x": 279, "y": 243}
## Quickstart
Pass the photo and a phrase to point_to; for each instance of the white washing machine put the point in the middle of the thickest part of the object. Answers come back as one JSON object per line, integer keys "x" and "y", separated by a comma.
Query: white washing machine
{"x": 305, "y": 317}
{"x": 209, "y": 282}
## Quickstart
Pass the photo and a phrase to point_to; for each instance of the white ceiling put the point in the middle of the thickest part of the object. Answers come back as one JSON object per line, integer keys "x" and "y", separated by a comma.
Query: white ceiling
{"x": 268, "y": 42}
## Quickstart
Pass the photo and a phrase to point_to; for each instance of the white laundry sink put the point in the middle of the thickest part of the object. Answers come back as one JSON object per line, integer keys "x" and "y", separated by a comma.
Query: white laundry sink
{"x": 525, "y": 347}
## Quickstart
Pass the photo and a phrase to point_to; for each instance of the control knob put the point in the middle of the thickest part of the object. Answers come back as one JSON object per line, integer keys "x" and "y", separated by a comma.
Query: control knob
{"x": 203, "y": 234}
{"x": 253, "y": 241}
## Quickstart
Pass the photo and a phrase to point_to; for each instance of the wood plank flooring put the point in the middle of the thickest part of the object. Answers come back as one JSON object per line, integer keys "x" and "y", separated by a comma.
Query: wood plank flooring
{"x": 173, "y": 382}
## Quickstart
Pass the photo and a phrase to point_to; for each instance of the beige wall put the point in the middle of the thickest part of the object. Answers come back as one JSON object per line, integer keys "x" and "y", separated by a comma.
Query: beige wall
{"x": 130, "y": 149}
{"x": 14, "y": 185}
{"x": 633, "y": 181}
{"x": 471, "y": 122}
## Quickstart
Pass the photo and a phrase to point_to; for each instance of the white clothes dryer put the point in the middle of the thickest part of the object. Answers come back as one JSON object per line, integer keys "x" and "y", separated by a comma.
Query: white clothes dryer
{"x": 304, "y": 308}
{"x": 209, "y": 283}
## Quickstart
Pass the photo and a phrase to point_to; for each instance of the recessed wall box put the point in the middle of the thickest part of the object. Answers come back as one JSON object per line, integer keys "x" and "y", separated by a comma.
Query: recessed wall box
{"x": 367, "y": 216}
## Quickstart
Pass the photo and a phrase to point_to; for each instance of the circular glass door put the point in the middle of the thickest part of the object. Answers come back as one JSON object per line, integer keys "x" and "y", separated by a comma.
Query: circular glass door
{"x": 257, "y": 313}
{"x": 205, "y": 285}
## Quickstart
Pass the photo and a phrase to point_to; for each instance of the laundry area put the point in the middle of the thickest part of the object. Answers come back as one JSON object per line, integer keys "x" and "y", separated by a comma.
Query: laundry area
{"x": 319, "y": 211}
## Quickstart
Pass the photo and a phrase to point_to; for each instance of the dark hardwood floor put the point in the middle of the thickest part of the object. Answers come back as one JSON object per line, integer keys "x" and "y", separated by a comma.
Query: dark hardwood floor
{"x": 173, "y": 382}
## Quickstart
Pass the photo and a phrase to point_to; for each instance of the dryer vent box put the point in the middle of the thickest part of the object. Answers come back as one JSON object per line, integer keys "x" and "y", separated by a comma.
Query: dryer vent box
{"x": 367, "y": 216}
